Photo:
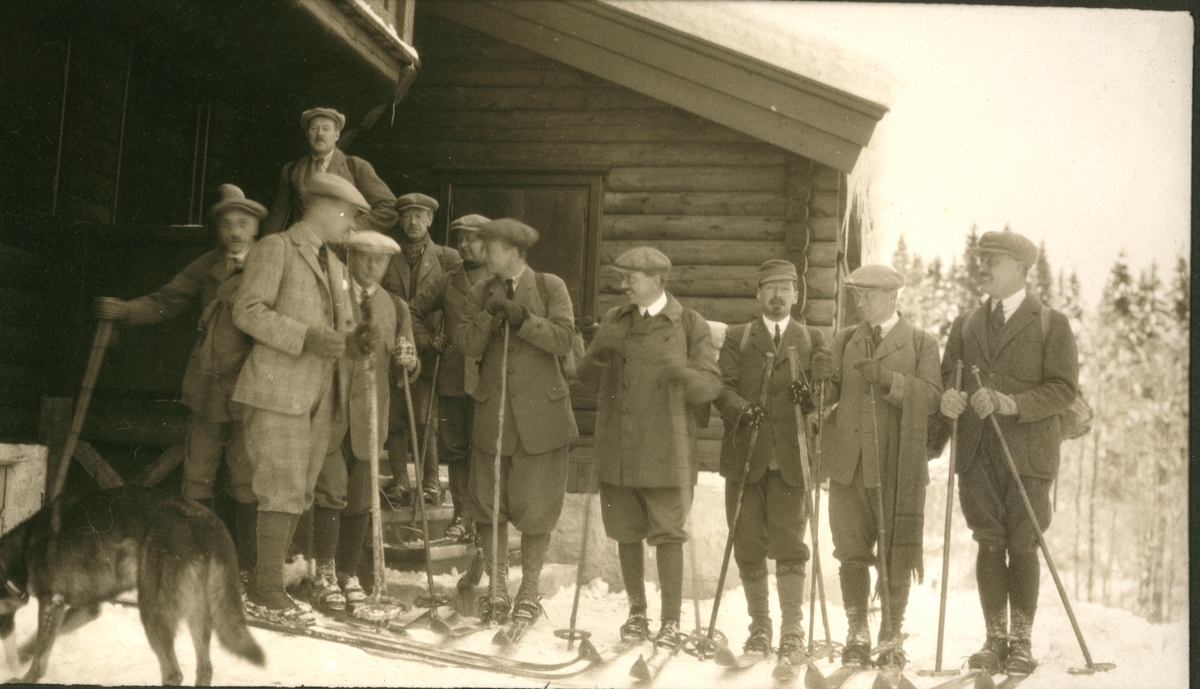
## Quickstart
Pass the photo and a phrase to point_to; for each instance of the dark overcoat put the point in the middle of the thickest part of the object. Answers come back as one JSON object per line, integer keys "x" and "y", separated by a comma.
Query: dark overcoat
{"x": 288, "y": 207}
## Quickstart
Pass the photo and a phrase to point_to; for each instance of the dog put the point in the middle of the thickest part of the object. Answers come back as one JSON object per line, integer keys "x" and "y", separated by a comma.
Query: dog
{"x": 80, "y": 551}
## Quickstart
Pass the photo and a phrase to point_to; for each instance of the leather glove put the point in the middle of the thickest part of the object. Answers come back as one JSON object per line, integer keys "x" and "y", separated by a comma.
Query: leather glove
{"x": 608, "y": 342}
{"x": 324, "y": 342}
{"x": 405, "y": 354}
{"x": 799, "y": 393}
{"x": 874, "y": 373}
{"x": 954, "y": 403}
{"x": 822, "y": 365}
{"x": 753, "y": 415}
{"x": 494, "y": 304}
{"x": 985, "y": 401}
{"x": 514, "y": 313}
{"x": 110, "y": 309}
{"x": 366, "y": 339}
{"x": 438, "y": 343}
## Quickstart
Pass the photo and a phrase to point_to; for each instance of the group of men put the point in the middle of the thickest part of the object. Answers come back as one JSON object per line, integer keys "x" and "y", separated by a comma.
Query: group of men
{"x": 292, "y": 337}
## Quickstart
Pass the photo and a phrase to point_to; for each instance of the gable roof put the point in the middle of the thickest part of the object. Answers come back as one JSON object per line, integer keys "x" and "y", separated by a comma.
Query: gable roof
{"x": 803, "y": 93}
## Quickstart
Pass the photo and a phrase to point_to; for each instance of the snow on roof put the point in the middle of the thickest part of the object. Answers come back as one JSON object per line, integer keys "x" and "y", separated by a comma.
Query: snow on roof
{"x": 756, "y": 30}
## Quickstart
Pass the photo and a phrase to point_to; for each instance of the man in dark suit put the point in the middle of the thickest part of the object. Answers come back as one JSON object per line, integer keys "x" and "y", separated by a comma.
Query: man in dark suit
{"x": 294, "y": 302}
{"x": 323, "y": 127}
{"x": 420, "y": 262}
{"x": 1030, "y": 376}
{"x": 886, "y": 383}
{"x": 538, "y": 422}
{"x": 773, "y": 504}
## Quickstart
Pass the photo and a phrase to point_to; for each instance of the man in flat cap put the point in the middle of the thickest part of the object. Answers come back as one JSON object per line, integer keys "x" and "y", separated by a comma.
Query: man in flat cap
{"x": 214, "y": 432}
{"x": 887, "y": 383}
{"x": 772, "y": 519}
{"x": 446, "y": 294}
{"x": 653, "y": 364}
{"x": 295, "y": 303}
{"x": 538, "y": 422}
{"x": 341, "y": 511}
{"x": 1028, "y": 362}
{"x": 419, "y": 264}
{"x": 323, "y": 127}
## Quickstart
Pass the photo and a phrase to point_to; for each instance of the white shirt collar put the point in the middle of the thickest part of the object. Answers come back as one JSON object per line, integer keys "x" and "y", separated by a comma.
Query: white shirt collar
{"x": 240, "y": 256}
{"x": 358, "y": 289}
{"x": 655, "y": 308}
{"x": 516, "y": 278}
{"x": 1011, "y": 303}
{"x": 783, "y": 324}
{"x": 326, "y": 159}
{"x": 886, "y": 326}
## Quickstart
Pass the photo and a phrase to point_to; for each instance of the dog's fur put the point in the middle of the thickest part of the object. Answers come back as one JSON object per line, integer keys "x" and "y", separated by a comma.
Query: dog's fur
{"x": 78, "y": 552}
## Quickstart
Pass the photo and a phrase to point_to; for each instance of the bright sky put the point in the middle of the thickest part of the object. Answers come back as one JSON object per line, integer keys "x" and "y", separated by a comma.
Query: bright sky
{"x": 1071, "y": 125}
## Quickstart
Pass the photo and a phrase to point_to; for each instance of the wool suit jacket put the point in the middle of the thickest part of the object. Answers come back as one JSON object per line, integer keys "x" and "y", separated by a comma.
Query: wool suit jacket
{"x": 436, "y": 261}
{"x": 742, "y": 377}
{"x": 288, "y": 207}
{"x": 446, "y": 293}
{"x": 538, "y": 404}
{"x": 902, "y": 415}
{"x": 198, "y": 283}
{"x": 1039, "y": 370}
{"x": 284, "y": 293}
{"x": 645, "y": 422}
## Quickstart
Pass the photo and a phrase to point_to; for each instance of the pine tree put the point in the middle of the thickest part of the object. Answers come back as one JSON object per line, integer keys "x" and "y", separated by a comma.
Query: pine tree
{"x": 1041, "y": 279}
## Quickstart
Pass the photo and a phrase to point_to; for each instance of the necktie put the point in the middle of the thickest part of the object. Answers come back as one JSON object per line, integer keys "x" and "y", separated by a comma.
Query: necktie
{"x": 997, "y": 319}
{"x": 323, "y": 259}
{"x": 877, "y": 335}
{"x": 509, "y": 289}
{"x": 778, "y": 335}
{"x": 234, "y": 264}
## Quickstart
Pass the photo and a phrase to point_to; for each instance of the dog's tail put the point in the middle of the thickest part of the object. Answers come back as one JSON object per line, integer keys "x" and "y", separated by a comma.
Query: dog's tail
{"x": 229, "y": 620}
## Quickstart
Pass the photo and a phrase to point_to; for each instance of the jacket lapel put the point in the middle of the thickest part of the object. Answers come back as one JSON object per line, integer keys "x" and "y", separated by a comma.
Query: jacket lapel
{"x": 896, "y": 338}
{"x": 760, "y": 337}
{"x": 337, "y": 165}
{"x": 861, "y": 339}
{"x": 975, "y": 328}
{"x": 428, "y": 258}
{"x": 525, "y": 292}
{"x": 1025, "y": 314}
{"x": 400, "y": 263}
{"x": 309, "y": 252}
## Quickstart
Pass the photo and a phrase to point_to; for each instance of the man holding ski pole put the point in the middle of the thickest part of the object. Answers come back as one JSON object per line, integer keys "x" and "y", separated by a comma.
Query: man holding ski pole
{"x": 1029, "y": 367}
{"x": 886, "y": 382}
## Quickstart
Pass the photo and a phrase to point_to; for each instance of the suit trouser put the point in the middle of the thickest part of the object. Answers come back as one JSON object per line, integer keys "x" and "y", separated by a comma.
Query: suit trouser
{"x": 208, "y": 442}
{"x": 531, "y": 488}
{"x": 287, "y": 452}
{"x": 655, "y": 515}
{"x": 456, "y": 416}
{"x": 344, "y": 483}
{"x": 991, "y": 501}
{"x": 771, "y": 523}
{"x": 852, "y": 521}
{"x": 398, "y": 444}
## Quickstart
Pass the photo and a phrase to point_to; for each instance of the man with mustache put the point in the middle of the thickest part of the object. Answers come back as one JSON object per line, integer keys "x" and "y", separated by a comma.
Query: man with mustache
{"x": 323, "y": 127}
{"x": 886, "y": 382}
{"x": 1029, "y": 366}
{"x": 772, "y": 518}
{"x": 653, "y": 364}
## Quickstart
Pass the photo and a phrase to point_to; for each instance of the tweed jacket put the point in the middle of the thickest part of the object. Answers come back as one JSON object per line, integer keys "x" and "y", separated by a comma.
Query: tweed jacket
{"x": 1039, "y": 370}
{"x": 538, "y": 408}
{"x": 645, "y": 423}
{"x": 446, "y": 293}
{"x": 741, "y": 377}
{"x": 205, "y": 392}
{"x": 288, "y": 207}
{"x": 284, "y": 293}
{"x": 849, "y": 435}
{"x": 392, "y": 317}
{"x": 436, "y": 261}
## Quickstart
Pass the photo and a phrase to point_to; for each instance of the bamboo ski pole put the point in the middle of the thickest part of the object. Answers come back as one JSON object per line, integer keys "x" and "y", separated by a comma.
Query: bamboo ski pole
{"x": 493, "y": 584}
{"x": 937, "y": 666}
{"x": 1062, "y": 591}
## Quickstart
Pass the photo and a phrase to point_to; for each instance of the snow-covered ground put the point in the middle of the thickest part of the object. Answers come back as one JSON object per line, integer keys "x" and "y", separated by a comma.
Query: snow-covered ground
{"x": 113, "y": 649}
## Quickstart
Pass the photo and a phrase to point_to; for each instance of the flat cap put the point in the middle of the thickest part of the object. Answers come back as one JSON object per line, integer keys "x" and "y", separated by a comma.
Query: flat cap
{"x": 232, "y": 198}
{"x": 876, "y": 277}
{"x": 419, "y": 200}
{"x": 323, "y": 184}
{"x": 645, "y": 259}
{"x": 338, "y": 118}
{"x": 1007, "y": 242}
{"x": 468, "y": 223}
{"x": 512, "y": 231}
{"x": 372, "y": 242}
{"x": 776, "y": 269}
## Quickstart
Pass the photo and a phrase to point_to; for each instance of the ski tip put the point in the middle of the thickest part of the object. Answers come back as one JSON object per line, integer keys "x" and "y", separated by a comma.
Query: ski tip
{"x": 640, "y": 671}
{"x": 725, "y": 657}
{"x": 984, "y": 681}
{"x": 502, "y": 639}
{"x": 904, "y": 683}
{"x": 813, "y": 679}
{"x": 886, "y": 679}
{"x": 438, "y": 626}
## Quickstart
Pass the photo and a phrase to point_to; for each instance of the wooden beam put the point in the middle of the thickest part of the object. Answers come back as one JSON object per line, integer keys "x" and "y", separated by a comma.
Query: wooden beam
{"x": 99, "y": 469}
{"x": 405, "y": 11}
{"x": 330, "y": 17}
{"x": 159, "y": 468}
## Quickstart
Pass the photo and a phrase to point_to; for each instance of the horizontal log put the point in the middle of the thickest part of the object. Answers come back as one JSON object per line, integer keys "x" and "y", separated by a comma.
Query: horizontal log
{"x": 826, "y": 178}
{"x": 546, "y": 74}
{"x": 432, "y": 128}
{"x": 725, "y": 227}
{"x": 822, "y": 254}
{"x": 554, "y": 119}
{"x": 607, "y": 97}
{"x": 723, "y": 309}
{"x": 452, "y": 155}
{"x": 824, "y": 203}
{"x": 700, "y": 252}
{"x": 819, "y": 312}
{"x": 820, "y": 282}
{"x": 696, "y": 203}
{"x": 693, "y": 179}
{"x": 823, "y": 229}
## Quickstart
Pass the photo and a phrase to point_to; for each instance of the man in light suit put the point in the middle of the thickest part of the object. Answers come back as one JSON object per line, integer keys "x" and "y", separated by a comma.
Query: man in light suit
{"x": 886, "y": 382}
{"x": 1030, "y": 369}
{"x": 538, "y": 422}
{"x": 323, "y": 127}
{"x": 419, "y": 264}
{"x": 341, "y": 512}
{"x": 294, "y": 303}
{"x": 772, "y": 518}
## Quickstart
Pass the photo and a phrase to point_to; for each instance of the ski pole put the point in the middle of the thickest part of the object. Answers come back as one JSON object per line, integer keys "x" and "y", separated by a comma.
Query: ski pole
{"x": 570, "y": 634}
{"x": 737, "y": 509}
{"x": 1062, "y": 591}
{"x": 818, "y": 583}
{"x": 494, "y": 583}
{"x": 885, "y": 594}
{"x": 104, "y": 331}
{"x": 937, "y": 667}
